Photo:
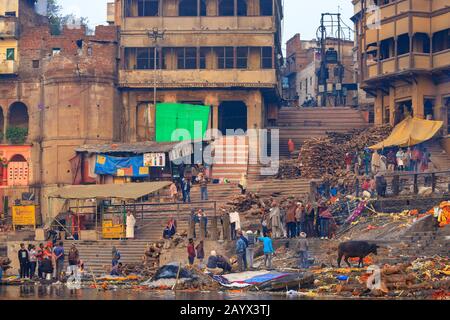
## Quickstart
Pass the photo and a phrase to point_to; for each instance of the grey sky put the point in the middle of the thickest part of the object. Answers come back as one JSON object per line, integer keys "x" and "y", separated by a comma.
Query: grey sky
{"x": 300, "y": 16}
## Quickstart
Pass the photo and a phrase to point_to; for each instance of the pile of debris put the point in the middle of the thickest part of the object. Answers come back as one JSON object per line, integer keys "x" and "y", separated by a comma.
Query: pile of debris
{"x": 322, "y": 156}
{"x": 5, "y": 263}
{"x": 250, "y": 203}
{"x": 427, "y": 278}
{"x": 175, "y": 277}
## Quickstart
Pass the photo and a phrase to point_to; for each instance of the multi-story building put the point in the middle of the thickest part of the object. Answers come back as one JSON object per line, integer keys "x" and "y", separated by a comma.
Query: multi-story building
{"x": 302, "y": 63}
{"x": 57, "y": 91}
{"x": 220, "y": 53}
{"x": 404, "y": 58}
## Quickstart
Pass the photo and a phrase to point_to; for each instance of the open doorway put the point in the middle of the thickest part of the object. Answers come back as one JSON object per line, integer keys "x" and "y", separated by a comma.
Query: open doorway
{"x": 402, "y": 110}
{"x": 232, "y": 116}
{"x": 428, "y": 108}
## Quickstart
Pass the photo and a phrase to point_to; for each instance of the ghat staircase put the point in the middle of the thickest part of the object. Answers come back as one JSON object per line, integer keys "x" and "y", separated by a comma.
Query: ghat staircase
{"x": 300, "y": 124}
{"x": 231, "y": 158}
{"x": 151, "y": 225}
{"x": 439, "y": 157}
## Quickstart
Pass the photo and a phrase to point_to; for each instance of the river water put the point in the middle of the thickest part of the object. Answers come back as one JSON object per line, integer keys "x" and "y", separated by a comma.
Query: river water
{"x": 61, "y": 292}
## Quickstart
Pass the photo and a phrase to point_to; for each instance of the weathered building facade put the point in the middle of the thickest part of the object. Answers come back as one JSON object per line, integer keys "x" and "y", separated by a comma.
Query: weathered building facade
{"x": 220, "y": 53}
{"x": 302, "y": 63}
{"x": 404, "y": 58}
{"x": 57, "y": 92}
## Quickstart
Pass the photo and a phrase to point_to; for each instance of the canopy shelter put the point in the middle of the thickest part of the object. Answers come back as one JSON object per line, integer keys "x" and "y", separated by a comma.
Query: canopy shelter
{"x": 410, "y": 132}
{"x": 112, "y": 217}
{"x": 127, "y": 191}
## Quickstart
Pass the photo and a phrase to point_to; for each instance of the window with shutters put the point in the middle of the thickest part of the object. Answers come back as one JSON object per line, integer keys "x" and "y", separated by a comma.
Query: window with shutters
{"x": 18, "y": 171}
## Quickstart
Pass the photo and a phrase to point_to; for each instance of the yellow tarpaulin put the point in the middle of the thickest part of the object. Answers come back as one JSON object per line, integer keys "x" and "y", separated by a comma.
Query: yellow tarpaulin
{"x": 410, "y": 132}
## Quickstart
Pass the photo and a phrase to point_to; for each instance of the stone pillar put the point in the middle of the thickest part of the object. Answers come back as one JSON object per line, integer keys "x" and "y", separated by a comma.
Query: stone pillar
{"x": 379, "y": 108}
{"x": 5, "y": 124}
{"x": 212, "y": 101}
{"x": 215, "y": 117}
{"x": 417, "y": 99}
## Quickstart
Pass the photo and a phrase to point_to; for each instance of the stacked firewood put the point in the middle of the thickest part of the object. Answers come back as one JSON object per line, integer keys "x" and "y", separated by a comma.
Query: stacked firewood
{"x": 322, "y": 156}
{"x": 289, "y": 169}
{"x": 242, "y": 203}
{"x": 150, "y": 262}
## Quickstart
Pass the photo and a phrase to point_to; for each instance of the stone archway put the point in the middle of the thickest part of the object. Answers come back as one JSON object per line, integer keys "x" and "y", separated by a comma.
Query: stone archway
{"x": 18, "y": 123}
{"x": 18, "y": 115}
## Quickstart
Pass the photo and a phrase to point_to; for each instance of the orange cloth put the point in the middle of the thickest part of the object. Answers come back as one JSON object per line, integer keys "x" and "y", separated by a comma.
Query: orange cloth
{"x": 291, "y": 146}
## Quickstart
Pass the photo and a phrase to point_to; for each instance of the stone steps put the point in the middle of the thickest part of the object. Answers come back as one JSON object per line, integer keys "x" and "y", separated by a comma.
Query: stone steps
{"x": 438, "y": 155}
{"x": 96, "y": 255}
{"x": 233, "y": 152}
{"x": 300, "y": 124}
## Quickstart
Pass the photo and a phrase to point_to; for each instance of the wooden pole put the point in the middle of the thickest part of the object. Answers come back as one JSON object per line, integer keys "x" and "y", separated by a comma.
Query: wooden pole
{"x": 396, "y": 185}
{"x": 226, "y": 227}
{"x": 202, "y": 229}
{"x": 191, "y": 225}
{"x": 416, "y": 186}
{"x": 214, "y": 232}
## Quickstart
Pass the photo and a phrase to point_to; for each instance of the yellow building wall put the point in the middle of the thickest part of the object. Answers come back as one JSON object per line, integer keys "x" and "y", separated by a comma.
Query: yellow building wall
{"x": 8, "y": 6}
{"x": 6, "y": 44}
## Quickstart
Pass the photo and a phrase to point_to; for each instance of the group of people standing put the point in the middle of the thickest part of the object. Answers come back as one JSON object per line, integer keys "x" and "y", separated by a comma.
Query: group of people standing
{"x": 48, "y": 260}
{"x": 245, "y": 251}
{"x": 299, "y": 220}
{"x": 416, "y": 159}
{"x": 185, "y": 186}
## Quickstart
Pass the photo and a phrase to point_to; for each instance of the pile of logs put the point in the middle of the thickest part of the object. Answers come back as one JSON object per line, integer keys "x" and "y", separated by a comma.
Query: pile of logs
{"x": 289, "y": 169}
{"x": 244, "y": 203}
{"x": 403, "y": 278}
{"x": 325, "y": 156}
{"x": 150, "y": 262}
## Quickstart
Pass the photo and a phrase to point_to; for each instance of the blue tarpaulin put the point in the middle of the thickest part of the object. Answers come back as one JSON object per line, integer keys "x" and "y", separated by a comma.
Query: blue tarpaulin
{"x": 121, "y": 166}
{"x": 266, "y": 277}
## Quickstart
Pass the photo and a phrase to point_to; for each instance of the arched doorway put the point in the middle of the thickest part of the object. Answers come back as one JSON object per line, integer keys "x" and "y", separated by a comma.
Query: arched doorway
{"x": 232, "y": 116}
{"x": 18, "y": 115}
{"x": 18, "y": 171}
{"x": 17, "y": 129}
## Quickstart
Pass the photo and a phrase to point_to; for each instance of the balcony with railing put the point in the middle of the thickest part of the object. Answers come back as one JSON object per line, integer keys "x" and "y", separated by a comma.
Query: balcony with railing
{"x": 441, "y": 59}
{"x": 9, "y": 28}
{"x": 8, "y": 67}
{"x": 262, "y": 78}
{"x": 415, "y": 61}
{"x": 398, "y": 7}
